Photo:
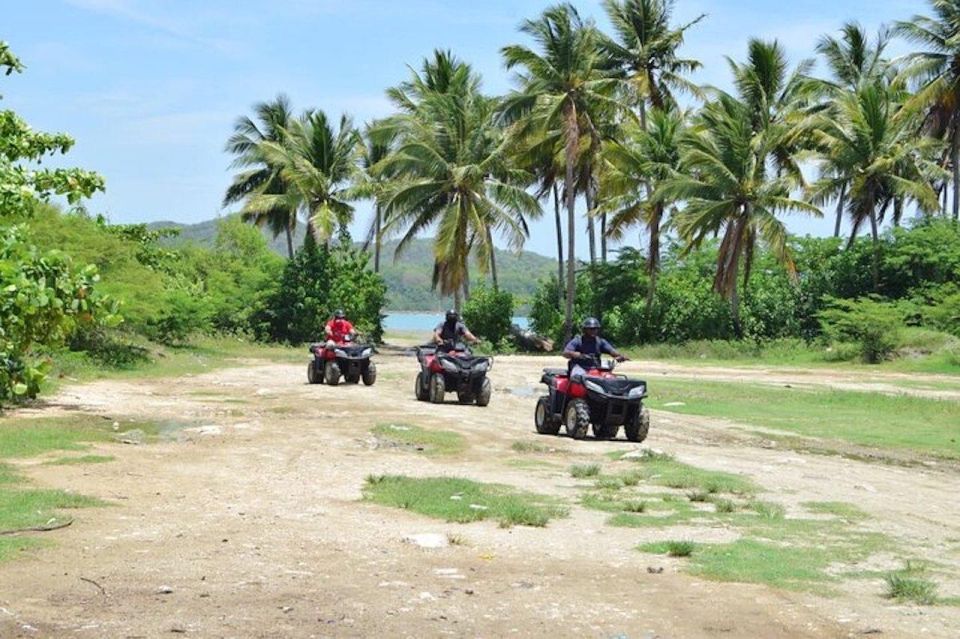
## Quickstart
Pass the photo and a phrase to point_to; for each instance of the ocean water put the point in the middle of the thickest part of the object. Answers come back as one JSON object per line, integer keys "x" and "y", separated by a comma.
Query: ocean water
{"x": 427, "y": 321}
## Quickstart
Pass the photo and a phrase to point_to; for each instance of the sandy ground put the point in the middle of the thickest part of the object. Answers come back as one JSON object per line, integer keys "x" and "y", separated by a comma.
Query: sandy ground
{"x": 249, "y": 523}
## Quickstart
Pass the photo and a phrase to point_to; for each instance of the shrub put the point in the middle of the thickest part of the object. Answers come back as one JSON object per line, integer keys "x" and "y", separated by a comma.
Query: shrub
{"x": 873, "y": 324}
{"x": 489, "y": 314}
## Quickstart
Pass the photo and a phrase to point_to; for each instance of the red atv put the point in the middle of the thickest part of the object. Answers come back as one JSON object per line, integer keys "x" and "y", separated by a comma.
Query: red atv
{"x": 333, "y": 359}
{"x": 600, "y": 398}
{"x": 452, "y": 367}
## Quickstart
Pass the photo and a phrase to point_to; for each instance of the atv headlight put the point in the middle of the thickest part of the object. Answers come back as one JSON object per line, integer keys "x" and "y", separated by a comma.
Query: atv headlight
{"x": 366, "y": 352}
{"x": 595, "y": 387}
{"x": 339, "y": 352}
{"x": 448, "y": 366}
{"x": 639, "y": 391}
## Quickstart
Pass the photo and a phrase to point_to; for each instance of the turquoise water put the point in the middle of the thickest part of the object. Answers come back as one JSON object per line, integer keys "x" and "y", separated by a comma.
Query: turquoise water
{"x": 427, "y": 321}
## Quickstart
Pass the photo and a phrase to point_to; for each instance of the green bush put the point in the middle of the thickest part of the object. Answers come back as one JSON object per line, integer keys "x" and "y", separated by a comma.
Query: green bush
{"x": 489, "y": 314}
{"x": 873, "y": 324}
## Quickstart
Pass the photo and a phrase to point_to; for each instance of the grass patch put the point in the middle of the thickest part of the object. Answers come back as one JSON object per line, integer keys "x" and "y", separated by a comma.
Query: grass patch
{"x": 867, "y": 419}
{"x": 723, "y": 506}
{"x": 532, "y": 447}
{"x": 11, "y": 546}
{"x": 31, "y": 437}
{"x": 909, "y": 585}
{"x": 768, "y": 510}
{"x": 582, "y": 471}
{"x": 83, "y": 459}
{"x": 7, "y": 474}
{"x": 30, "y": 508}
{"x": 754, "y": 561}
{"x": 431, "y": 442}
{"x": 666, "y": 471}
{"x": 670, "y": 548}
{"x": 462, "y": 500}
{"x": 839, "y": 509}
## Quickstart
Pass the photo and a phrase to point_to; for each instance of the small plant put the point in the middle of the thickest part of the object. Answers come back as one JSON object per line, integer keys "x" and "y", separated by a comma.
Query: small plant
{"x": 908, "y": 584}
{"x": 680, "y": 548}
{"x": 873, "y": 324}
{"x": 724, "y": 505}
{"x": 634, "y": 506}
{"x": 698, "y": 496}
{"x": 530, "y": 447}
{"x": 609, "y": 483}
{"x": 582, "y": 471}
{"x": 456, "y": 540}
{"x": 630, "y": 479}
{"x": 768, "y": 510}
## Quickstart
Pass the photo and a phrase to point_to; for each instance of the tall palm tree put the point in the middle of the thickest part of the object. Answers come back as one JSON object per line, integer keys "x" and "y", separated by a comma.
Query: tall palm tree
{"x": 372, "y": 183}
{"x": 645, "y": 51}
{"x": 726, "y": 189}
{"x": 870, "y": 143}
{"x": 316, "y": 163}
{"x": 272, "y": 118}
{"x": 937, "y": 74}
{"x": 853, "y": 61}
{"x": 560, "y": 84}
{"x": 635, "y": 167}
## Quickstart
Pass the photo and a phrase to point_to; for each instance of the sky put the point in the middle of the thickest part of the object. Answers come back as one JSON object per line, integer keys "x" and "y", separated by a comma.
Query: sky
{"x": 150, "y": 89}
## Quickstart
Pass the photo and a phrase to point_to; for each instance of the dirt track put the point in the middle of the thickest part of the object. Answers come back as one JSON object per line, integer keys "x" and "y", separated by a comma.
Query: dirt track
{"x": 251, "y": 517}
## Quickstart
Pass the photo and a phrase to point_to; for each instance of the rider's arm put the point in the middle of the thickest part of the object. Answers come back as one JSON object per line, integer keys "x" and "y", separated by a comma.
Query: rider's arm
{"x": 470, "y": 336}
{"x": 328, "y": 329}
{"x": 436, "y": 336}
{"x": 608, "y": 347}
{"x": 572, "y": 349}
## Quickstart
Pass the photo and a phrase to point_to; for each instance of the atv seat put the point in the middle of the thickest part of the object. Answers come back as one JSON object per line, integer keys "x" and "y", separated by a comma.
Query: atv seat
{"x": 550, "y": 373}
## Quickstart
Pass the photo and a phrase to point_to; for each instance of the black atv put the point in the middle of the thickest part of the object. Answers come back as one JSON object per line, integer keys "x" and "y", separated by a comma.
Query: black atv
{"x": 331, "y": 360}
{"x": 599, "y": 397}
{"x": 452, "y": 367}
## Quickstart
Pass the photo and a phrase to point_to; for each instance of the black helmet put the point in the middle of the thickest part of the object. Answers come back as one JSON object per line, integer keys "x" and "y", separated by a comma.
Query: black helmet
{"x": 452, "y": 315}
{"x": 339, "y": 314}
{"x": 591, "y": 322}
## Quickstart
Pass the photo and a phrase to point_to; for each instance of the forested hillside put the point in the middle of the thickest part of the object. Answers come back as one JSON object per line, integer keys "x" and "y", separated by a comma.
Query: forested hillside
{"x": 408, "y": 277}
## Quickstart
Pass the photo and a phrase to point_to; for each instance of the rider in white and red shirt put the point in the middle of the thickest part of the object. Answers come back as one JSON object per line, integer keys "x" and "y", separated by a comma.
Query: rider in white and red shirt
{"x": 339, "y": 328}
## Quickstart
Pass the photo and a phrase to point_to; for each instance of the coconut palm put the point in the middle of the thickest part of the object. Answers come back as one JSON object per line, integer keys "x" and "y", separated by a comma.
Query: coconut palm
{"x": 372, "y": 183}
{"x": 870, "y": 143}
{"x": 635, "y": 167}
{"x": 727, "y": 190}
{"x": 645, "y": 51}
{"x": 561, "y": 84}
{"x": 853, "y": 61}
{"x": 937, "y": 75}
{"x": 316, "y": 163}
{"x": 272, "y": 118}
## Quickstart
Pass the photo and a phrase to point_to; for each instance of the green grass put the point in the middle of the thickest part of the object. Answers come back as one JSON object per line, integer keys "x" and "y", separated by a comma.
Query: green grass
{"x": 83, "y": 459}
{"x": 430, "y": 442}
{"x": 31, "y": 437}
{"x": 868, "y": 419}
{"x": 462, "y": 500}
{"x": 909, "y": 585}
{"x": 30, "y": 508}
{"x": 582, "y": 471}
{"x": 839, "y": 509}
{"x": 8, "y": 475}
{"x": 754, "y": 561}
{"x": 670, "y": 548}
{"x": 11, "y": 546}
{"x": 533, "y": 447}
{"x": 666, "y": 471}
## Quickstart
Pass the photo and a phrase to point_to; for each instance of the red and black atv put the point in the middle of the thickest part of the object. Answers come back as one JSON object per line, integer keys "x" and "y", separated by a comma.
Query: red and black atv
{"x": 600, "y": 398}
{"x": 333, "y": 359}
{"x": 452, "y": 367}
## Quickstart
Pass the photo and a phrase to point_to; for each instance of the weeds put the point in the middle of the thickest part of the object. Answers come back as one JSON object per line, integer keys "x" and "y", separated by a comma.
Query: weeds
{"x": 582, "y": 471}
{"x": 909, "y": 585}
{"x": 431, "y": 442}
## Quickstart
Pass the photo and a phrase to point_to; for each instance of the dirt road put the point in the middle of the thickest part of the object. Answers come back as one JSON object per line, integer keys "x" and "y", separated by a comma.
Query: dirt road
{"x": 249, "y": 524}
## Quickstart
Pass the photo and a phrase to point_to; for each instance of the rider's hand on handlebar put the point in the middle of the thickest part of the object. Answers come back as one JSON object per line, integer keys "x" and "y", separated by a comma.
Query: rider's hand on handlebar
{"x": 622, "y": 358}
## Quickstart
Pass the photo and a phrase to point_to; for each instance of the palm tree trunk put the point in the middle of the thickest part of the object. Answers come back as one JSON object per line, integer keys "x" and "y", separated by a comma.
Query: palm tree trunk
{"x": 944, "y": 194}
{"x": 603, "y": 238}
{"x": 573, "y": 138}
{"x": 289, "y": 242}
{"x": 376, "y": 240}
{"x": 591, "y": 232}
{"x": 466, "y": 278}
{"x": 653, "y": 257}
{"x": 875, "y": 260}
{"x": 897, "y": 210}
{"x": 840, "y": 201}
{"x": 955, "y": 160}
{"x": 735, "y": 299}
{"x": 493, "y": 260}
{"x": 556, "y": 213}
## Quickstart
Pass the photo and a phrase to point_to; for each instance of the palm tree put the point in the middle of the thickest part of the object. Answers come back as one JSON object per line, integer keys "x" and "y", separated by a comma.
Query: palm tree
{"x": 853, "y": 61}
{"x": 635, "y": 167}
{"x": 316, "y": 163}
{"x": 258, "y": 175}
{"x": 560, "y": 86}
{"x": 372, "y": 183}
{"x": 937, "y": 74}
{"x": 869, "y": 143}
{"x": 726, "y": 189}
{"x": 645, "y": 51}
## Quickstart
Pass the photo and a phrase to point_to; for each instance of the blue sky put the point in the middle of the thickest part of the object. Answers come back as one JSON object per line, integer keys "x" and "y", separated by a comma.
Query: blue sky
{"x": 150, "y": 88}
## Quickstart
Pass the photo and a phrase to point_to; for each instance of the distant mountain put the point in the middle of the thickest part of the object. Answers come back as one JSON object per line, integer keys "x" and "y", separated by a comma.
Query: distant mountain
{"x": 408, "y": 276}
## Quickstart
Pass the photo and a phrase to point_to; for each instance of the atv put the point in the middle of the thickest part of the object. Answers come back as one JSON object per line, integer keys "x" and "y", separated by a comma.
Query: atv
{"x": 600, "y": 397}
{"x": 333, "y": 359}
{"x": 452, "y": 367}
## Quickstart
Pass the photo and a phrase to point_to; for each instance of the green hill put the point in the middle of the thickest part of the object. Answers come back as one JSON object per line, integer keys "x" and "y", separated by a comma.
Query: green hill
{"x": 407, "y": 276}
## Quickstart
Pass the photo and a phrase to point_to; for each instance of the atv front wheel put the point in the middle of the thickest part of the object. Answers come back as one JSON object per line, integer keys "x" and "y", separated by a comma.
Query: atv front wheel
{"x": 465, "y": 397}
{"x": 313, "y": 375}
{"x": 605, "y": 432}
{"x": 437, "y": 388}
{"x": 637, "y": 428}
{"x": 486, "y": 390}
{"x": 543, "y": 419}
{"x": 418, "y": 390}
{"x": 370, "y": 375}
{"x": 351, "y": 379}
{"x": 577, "y": 419}
{"x": 331, "y": 374}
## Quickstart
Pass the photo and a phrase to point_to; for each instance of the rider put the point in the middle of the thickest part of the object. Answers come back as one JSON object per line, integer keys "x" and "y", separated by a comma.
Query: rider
{"x": 452, "y": 329}
{"x": 339, "y": 328}
{"x": 584, "y": 351}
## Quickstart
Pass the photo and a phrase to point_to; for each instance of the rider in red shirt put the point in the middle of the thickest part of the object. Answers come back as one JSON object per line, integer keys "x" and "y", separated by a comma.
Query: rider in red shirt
{"x": 339, "y": 328}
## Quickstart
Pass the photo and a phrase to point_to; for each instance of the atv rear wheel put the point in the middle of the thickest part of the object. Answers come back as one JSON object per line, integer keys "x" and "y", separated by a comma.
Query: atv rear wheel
{"x": 543, "y": 419}
{"x": 577, "y": 418}
{"x": 370, "y": 375}
{"x": 486, "y": 390}
{"x": 313, "y": 375}
{"x": 437, "y": 388}
{"x": 331, "y": 374}
{"x": 605, "y": 432}
{"x": 418, "y": 390}
{"x": 637, "y": 428}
